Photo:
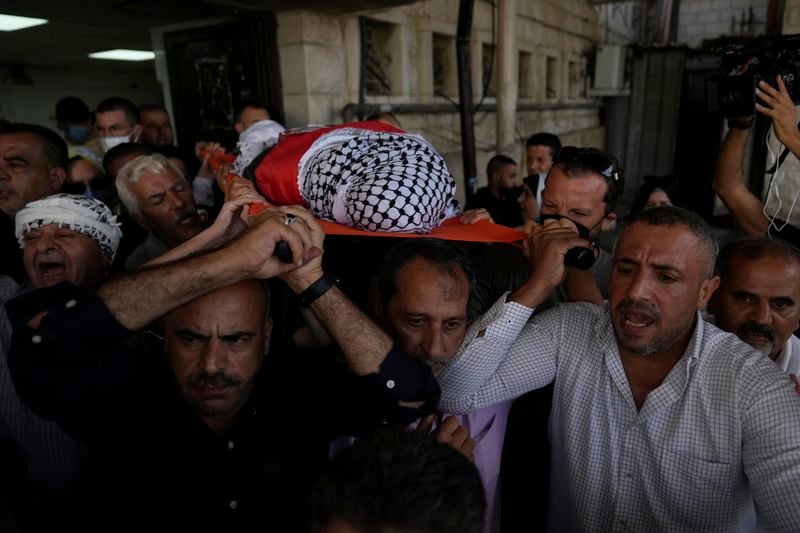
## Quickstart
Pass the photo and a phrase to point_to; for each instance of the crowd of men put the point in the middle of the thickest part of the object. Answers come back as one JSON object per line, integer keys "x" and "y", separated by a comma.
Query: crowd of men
{"x": 162, "y": 363}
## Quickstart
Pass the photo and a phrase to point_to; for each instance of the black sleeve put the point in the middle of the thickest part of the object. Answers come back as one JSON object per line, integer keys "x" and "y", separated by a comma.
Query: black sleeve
{"x": 401, "y": 392}
{"x": 74, "y": 367}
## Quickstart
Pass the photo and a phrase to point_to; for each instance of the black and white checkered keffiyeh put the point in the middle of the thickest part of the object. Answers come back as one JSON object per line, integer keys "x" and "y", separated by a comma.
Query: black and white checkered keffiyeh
{"x": 78, "y": 213}
{"x": 378, "y": 181}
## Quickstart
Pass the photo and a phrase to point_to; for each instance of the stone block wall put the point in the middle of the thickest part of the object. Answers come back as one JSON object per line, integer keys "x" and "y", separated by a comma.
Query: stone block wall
{"x": 320, "y": 68}
{"x": 709, "y": 19}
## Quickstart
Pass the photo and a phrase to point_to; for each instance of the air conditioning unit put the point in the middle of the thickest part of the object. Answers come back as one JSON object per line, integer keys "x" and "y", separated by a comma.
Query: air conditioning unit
{"x": 611, "y": 72}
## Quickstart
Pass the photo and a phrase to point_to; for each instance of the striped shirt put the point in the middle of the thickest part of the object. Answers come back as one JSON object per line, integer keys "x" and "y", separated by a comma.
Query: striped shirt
{"x": 716, "y": 442}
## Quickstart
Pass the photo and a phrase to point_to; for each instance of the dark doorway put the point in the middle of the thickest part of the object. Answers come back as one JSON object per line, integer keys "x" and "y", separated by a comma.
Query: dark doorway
{"x": 214, "y": 69}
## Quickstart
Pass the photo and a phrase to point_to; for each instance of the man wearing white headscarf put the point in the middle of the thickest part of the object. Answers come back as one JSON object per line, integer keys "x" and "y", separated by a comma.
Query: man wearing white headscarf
{"x": 68, "y": 238}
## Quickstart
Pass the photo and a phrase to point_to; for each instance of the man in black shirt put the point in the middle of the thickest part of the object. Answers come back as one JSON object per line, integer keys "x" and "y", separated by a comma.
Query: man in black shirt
{"x": 216, "y": 437}
{"x": 499, "y": 197}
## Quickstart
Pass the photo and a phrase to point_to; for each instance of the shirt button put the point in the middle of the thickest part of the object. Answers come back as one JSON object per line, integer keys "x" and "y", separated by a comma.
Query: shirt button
{"x": 230, "y": 444}
{"x": 234, "y": 504}
{"x": 390, "y": 384}
{"x": 70, "y": 304}
{"x": 36, "y": 339}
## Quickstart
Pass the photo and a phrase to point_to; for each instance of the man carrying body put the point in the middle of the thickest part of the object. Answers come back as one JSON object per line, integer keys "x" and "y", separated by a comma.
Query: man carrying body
{"x": 204, "y": 440}
{"x": 33, "y": 162}
{"x": 117, "y": 122}
{"x": 159, "y": 199}
{"x": 424, "y": 290}
{"x": 660, "y": 421}
{"x": 759, "y": 297}
{"x": 65, "y": 238}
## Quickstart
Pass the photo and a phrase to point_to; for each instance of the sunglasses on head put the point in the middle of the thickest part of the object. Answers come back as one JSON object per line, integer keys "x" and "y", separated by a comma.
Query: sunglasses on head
{"x": 591, "y": 158}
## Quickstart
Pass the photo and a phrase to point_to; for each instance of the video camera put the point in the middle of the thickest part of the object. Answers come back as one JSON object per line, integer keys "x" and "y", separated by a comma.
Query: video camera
{"x": 731, "y": 89}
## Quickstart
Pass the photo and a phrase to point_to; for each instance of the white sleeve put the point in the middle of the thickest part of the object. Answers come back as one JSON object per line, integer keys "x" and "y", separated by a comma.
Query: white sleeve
{"x": 502, "y": 357}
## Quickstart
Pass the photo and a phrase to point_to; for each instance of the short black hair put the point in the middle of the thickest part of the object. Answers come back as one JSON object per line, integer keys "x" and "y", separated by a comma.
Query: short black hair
{"x": 446, "y": 256}
{"x": 124, "y": 150}
{"x": 255, "y": 104}
{"x": 73, "y": 110}
{"x": 400, "y": 480}
{"x": 676, "y": 216}
{"x": 53, "y": 145}
{"x": 576, "y": 162}
{"x": 115, "y": 103}
{"x": 496, "y": 164}
{"x": 544, "y": 139}
{"x": 144, "y": 108}
{"x": 754, "y": 248}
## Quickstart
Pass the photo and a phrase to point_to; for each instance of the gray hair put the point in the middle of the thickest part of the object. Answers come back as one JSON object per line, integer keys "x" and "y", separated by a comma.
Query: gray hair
{"x": 133, "y": 171}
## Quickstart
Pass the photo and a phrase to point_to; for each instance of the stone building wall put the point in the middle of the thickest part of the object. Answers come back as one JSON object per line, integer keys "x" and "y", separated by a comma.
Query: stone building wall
{"x": 320, "y": 70}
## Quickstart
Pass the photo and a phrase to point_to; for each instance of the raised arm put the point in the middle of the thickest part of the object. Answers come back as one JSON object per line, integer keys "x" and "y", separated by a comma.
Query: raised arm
{"x": 745, "y": 207}
{"x": 141, "y": 297}
{"x": 503, "y": 356}
{"x": 363, "y": 343}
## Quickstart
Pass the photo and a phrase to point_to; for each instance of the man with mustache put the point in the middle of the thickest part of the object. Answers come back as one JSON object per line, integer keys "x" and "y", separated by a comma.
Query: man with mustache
{"x": 216, "y": 435}
{"x": 759, "y": 297}
{"x": 159, "y": 199}
{"x": 660, "y": 421}
{"x": 33, "y": 163}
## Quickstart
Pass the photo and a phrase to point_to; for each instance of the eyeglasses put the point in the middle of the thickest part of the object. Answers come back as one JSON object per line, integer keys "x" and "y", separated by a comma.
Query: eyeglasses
{"x": 591, "y": 158}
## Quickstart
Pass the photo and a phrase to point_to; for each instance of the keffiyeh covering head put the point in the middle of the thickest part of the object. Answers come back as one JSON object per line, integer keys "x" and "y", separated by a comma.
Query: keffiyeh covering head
{"x": 380, "y": 181}
{"x": 254, "y": 140}
{"x": 78, "y": 213}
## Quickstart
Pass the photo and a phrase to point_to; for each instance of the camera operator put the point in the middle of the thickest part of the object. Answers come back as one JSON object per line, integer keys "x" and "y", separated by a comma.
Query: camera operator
{"x": 745, "y": 207}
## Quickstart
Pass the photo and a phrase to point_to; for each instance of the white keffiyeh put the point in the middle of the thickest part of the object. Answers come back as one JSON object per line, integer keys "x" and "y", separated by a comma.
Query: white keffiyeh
{"x": 78, "y": 213}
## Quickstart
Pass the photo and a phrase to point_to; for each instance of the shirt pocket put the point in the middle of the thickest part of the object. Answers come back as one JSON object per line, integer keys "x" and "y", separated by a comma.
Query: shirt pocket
{"x": 696, "y": 493}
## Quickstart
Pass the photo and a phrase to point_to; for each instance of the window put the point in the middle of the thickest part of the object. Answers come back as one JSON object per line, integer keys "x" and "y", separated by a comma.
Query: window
{"x": 551, "y": 78}
{"x": 445, "y": 75}
{"x": 489, "y": 71}
{"x": 382, "y": 57}
{"x": 525, "y": 73}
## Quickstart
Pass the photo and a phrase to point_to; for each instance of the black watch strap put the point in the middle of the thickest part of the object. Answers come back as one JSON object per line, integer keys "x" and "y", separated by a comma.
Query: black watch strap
{"x": 741, "y": 124}
{"x": 317, "y": 289}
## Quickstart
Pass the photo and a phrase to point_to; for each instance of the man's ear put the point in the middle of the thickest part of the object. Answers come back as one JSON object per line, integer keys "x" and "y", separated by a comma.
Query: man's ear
{"x": 608, "y": 222}
{"x": 239, "y": 127}
{"x": 139, "y": 219}
{"x": 57, "y": 177}
{"x": 707, "y": 290}
{"x": 267, "y": 334}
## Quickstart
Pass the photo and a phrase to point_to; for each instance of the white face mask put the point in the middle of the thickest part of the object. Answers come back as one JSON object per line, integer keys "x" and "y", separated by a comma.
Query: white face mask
{"x": 110, "y": 142}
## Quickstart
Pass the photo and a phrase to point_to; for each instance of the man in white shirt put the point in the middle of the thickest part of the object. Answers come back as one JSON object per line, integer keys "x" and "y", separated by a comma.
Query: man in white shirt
{"x": 660, "y": 421}
{"x": 759, "y": 297}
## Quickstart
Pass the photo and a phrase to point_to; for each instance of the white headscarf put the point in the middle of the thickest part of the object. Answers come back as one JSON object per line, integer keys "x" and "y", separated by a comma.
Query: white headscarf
{"x": 78, "y": 213}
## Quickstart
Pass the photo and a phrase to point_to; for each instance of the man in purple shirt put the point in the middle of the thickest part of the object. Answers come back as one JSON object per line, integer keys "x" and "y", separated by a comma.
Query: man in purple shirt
{"x": 423, "y": 292}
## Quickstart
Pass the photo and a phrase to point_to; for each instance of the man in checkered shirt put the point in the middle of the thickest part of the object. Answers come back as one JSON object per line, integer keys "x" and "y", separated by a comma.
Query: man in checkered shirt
{"x": 660, "y": 421}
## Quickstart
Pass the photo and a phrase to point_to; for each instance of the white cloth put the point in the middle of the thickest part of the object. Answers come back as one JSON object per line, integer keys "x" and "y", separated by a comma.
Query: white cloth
{"x": 78, "y": 213}
{"x": 254, "y": 140}
{"x": 789, "y": 360}
{"x": 721, "y": 432}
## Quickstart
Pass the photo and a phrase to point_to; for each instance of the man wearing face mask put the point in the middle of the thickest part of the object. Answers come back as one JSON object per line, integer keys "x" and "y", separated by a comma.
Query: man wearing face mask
{"x": 73, "y": 119}
{"x": 584, "y": 185}
{"x": 117, "y": 122}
